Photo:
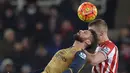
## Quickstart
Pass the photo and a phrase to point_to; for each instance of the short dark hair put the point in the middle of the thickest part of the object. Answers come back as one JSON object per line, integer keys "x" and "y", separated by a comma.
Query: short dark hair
{"x": 98, "y": 23}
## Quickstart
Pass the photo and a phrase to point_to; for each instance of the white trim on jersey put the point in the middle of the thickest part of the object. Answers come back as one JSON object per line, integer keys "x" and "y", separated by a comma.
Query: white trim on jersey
{"x": 116, "y": 61}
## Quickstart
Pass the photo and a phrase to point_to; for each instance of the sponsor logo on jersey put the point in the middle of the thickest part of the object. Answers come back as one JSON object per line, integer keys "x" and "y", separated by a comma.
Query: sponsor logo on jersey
{"x": 61, "y": 57}
{"x": 82, "y": 55}
{"x": 106, "y": 50}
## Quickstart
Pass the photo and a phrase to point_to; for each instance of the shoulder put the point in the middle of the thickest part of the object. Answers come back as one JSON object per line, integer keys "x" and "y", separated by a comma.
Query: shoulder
{"x": 110, "y": 45}
{"x": 81, "y": 54}
{"x": 62, "y": 51}
{"x": 109, "y": 48}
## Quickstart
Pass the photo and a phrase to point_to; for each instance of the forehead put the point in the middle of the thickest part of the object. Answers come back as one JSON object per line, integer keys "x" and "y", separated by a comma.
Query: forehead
{"x": 87, "y": 32}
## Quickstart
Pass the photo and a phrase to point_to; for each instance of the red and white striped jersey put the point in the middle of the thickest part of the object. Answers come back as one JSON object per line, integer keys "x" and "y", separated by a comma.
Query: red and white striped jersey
{"x": 110, "y": 65}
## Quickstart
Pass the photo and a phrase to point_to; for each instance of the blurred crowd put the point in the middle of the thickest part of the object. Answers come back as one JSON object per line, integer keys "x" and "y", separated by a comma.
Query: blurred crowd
{"x": 29, "y": 38}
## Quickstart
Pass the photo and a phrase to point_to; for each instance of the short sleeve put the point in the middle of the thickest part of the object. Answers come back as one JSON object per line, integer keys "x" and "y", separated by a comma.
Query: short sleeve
{"x": 106, "y": 51}
{"x": 78, "y": 62}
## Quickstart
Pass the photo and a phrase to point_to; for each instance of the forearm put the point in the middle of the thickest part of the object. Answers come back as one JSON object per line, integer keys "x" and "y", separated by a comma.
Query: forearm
{"x": 91, "y": 58}
{"x": 95, "y": 58}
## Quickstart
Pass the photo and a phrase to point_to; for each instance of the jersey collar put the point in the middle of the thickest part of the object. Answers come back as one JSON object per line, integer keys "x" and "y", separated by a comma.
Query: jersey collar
{"x": 104, "y": 43}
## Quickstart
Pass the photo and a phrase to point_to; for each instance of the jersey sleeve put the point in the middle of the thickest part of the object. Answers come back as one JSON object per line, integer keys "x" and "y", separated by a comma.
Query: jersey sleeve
{"x": 78, "y": 63}
{"x": 106, "y": 51}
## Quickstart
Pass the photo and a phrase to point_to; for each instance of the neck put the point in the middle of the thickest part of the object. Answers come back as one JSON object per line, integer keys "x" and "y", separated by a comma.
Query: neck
{"x": 105, "y": 38}
{"x": 79, "y": 46}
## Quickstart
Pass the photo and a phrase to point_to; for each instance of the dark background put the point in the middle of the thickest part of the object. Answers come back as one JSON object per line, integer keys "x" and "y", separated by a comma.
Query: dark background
{"x": 31, "y": 31}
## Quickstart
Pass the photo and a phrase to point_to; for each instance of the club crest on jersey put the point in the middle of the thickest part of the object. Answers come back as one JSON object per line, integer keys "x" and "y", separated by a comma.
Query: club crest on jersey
{"x": 82, "y": 55}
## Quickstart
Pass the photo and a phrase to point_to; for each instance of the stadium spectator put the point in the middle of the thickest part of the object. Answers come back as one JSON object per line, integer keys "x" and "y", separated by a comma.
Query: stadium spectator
{"x": 54, "y": 44}
{"x": 40, "y": 34}
{"x": 41, "y": 57}
{"x": 32, "y": 15}
{"x": 21, "y": 28}
{"x": 9, "y": 17}
{"x": 55, "y": 19}
{"x": 7, "y": 66}
{"x": 6, "y": 45}
{"x": 125, "y": 55}
{"x": 26, "y": 69}
{"x": 66, "y": 31}
{"x": 124, "y": 33}
{"x": 123, "y": 44}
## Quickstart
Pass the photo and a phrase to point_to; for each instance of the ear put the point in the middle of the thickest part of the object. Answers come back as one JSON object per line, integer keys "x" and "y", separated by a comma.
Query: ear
{"x": 101, "y": 33}
{"x": 88, "y": 42}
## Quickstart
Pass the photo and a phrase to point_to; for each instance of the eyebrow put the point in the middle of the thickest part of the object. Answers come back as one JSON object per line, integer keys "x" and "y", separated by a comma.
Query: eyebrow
{"x": 86, "y": 30}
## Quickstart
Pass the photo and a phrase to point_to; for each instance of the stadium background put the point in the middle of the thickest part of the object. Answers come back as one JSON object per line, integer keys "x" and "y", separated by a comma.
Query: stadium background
{"x": 31, "y": 31}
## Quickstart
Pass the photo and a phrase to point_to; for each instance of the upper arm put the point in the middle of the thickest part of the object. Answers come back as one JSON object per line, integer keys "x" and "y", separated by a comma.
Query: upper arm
{"x": 101, "y": 55}
{"x": 77, "y": 64}
{"x": 98, "y": 58}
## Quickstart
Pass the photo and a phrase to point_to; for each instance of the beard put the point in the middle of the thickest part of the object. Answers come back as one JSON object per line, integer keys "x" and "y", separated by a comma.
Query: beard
{"x": 78, "y": 38}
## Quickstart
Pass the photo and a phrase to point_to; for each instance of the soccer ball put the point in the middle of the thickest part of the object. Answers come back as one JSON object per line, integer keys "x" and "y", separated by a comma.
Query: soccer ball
{"x": 87, "y": 12}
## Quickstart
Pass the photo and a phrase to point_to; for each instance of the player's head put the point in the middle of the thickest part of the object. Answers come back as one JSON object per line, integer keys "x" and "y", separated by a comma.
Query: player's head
{"x": 100, "y": 27}
{"x": 86, "y": 36}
